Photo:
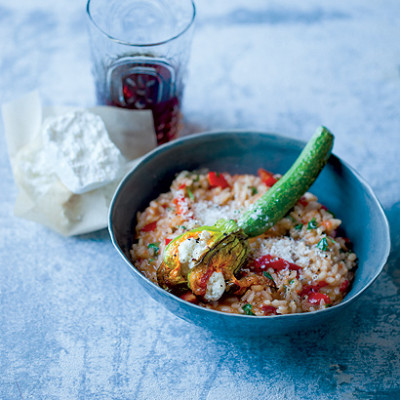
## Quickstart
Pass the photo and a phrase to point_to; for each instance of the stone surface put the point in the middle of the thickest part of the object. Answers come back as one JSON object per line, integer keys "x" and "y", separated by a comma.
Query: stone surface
{"x": 73, "y": 325}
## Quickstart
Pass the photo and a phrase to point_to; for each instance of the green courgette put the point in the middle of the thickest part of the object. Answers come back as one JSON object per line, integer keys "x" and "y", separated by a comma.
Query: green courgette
{"x": 279, "y": 199}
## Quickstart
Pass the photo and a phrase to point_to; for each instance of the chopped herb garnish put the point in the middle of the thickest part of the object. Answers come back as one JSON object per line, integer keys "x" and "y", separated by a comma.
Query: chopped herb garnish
{"x": 323, "y": 244}
{"x": 268, "y": 275}
{"x": 313, "y": 224}
{"x": 247, "y": 309}
{"x": 298, "y": 227}
{"x": 217, "y": 174}
{"x": 254, "y": 190}
{"x": 182, "y": 226}
{"x": 155, "y": 247}
{"x": 190, "y": 194}
{"x": 197, "y": 178}
{"x": 333, "y": 241}
{"x": 291, "y": 281}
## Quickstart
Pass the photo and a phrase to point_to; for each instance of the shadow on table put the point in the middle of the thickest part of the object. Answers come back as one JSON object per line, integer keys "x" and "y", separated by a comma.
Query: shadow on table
{"x": 99, "y": 235}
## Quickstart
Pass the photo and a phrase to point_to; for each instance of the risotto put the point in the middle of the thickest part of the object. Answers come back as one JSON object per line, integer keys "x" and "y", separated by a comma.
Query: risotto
{"x": 303, "y": 263}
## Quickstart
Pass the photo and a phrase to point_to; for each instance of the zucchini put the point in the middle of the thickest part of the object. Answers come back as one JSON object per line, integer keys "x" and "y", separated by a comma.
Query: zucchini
{"x": 281, "y": 197}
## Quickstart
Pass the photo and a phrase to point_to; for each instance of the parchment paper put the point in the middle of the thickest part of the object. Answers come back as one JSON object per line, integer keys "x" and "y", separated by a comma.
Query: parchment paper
{"x": 41, "y": 195}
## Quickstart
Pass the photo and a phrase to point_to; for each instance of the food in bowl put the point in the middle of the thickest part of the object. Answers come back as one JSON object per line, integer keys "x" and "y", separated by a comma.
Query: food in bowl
{"x": 303, "y": 263}
{"x": 338, "y": 187}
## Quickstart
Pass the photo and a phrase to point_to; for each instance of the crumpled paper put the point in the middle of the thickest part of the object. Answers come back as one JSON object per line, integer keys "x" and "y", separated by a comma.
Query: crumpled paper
{"x": 41, "y": 195}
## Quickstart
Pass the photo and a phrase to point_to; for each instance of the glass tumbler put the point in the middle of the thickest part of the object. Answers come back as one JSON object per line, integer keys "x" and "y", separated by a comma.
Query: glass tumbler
{"x": 140, "y": 51}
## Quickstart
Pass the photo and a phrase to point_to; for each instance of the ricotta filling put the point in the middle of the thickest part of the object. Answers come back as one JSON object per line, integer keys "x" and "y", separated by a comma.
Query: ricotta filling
{"x": 191, "y": 250}
{"x": 215, "y": 287}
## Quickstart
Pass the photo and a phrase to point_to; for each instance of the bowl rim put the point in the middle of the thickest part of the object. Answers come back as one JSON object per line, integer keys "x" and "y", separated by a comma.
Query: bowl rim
{"x": 276, "y": 137}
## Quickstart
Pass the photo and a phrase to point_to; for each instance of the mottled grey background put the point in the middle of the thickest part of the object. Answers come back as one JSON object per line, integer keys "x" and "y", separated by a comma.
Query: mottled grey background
{"x": 74, "y": 325}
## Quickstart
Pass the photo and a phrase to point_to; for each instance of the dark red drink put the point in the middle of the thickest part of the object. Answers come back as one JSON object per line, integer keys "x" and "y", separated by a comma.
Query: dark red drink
{"x": 145, "y": 83}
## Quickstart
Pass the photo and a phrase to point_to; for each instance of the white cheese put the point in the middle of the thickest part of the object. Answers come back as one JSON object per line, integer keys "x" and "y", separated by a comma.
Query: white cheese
{"x": 33, "y": 171}
{"x": 191, "y": 250}
{"x": 80, "y": 152}
{"x": 215, "y": 287}
{"x": 208, "y": 213}
{"x": 185, "y": 251}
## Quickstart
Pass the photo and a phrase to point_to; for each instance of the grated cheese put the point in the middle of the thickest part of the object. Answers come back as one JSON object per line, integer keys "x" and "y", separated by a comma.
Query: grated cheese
{"x": 208, "y": 213}
{"x": 294, "y": 251}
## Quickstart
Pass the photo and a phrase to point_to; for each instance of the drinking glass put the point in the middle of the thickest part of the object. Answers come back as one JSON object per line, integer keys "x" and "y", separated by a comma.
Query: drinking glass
{"x": 140, "y": 51}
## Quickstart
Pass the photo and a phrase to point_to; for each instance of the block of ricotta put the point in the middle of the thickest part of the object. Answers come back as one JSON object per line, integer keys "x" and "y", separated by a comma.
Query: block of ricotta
{"x": 80, "y": 152}
{"x": 64, "y": 172}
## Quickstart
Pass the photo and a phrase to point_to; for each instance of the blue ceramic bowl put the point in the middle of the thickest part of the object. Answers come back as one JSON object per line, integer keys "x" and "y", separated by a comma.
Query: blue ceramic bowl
{"x": 338, "y": 187}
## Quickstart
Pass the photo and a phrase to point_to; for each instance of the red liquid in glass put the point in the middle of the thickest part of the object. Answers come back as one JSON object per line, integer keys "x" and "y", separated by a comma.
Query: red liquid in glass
{"x": 146, "y": 84}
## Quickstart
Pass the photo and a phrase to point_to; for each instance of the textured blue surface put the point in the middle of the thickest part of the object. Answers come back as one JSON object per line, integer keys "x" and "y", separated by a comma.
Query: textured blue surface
{"x": 74, "y": 324}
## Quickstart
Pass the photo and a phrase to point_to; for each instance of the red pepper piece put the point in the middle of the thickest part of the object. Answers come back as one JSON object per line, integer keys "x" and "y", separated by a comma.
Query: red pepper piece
{"x": 182, "y": 186}
{"x": 268, "y": 310}
{"x": 181, "y": 205}
{"x": 317, "y": 297}
{"x": 267, "y": 261}
{"x": 267, "y": 177}
{"x": 307, "y": 289}
{"x": 167, "y": 241}
{"x": 344, "y": 285}
{"x": 216, "y": 179}
{"x": 303, "y": 202}
{"x": 149, "y": 227}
